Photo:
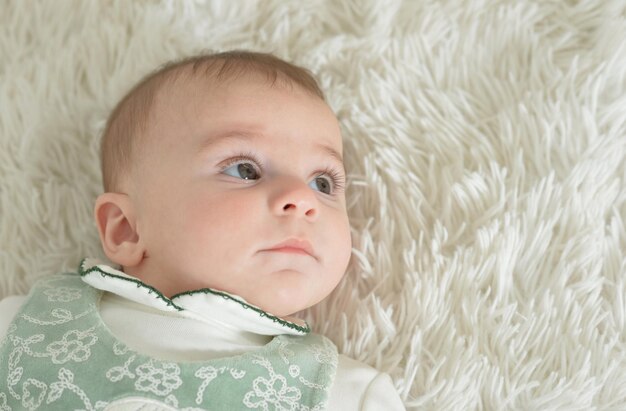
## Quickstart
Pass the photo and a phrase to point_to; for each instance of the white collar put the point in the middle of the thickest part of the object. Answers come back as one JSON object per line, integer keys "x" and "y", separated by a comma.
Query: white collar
{"x": 205, "y": 304}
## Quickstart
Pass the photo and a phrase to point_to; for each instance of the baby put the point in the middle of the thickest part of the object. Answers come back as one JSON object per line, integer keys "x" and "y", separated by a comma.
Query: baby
{"x": 223, "y": 214}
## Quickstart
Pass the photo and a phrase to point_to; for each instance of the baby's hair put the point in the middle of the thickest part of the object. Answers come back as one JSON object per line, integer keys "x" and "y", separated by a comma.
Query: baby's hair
{"x": 129, "y": 119}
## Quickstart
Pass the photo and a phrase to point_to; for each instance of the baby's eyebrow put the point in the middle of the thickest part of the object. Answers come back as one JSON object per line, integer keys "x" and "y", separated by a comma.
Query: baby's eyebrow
{"x": 243, "y": 135}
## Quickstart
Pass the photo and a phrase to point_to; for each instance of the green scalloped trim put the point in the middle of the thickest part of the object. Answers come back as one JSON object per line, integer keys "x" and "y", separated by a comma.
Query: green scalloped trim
{"x": 306, "y": 329}
{"x": 81, "y": 270}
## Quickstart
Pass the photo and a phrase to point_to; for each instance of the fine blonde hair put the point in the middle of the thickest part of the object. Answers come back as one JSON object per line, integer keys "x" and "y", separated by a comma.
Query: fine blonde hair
{"x": 130, "y": 117}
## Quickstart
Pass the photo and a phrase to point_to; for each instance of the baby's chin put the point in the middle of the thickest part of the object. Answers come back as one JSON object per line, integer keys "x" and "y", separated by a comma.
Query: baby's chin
{"x": 287, "y": 292}
{"x": 279, "y": 308}
{"x": 283, "y": 304}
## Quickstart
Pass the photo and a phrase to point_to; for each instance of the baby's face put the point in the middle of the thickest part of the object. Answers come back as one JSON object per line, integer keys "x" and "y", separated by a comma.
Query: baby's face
{"x": 228, "y": 173}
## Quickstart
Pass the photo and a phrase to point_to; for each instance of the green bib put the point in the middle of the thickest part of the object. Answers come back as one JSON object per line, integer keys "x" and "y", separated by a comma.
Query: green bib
{"x": 59, "y": 355}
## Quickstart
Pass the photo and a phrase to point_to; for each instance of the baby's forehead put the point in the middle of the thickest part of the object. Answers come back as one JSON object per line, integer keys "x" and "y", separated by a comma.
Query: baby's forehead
{"x": 190, "y": 93}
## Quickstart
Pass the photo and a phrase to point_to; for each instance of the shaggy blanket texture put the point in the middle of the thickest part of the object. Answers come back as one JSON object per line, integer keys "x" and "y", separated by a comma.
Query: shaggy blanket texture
{"x": 485, "y": 143}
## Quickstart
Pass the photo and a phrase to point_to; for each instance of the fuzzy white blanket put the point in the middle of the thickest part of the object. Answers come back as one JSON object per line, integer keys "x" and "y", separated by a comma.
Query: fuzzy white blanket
{"x": 486, "y": 145}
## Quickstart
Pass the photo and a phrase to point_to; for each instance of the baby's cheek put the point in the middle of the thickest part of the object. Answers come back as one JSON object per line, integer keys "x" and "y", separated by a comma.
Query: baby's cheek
{"x": 199, "y": 224}
{"x": 224, "y": 225}
{"x": 342, "y": 249}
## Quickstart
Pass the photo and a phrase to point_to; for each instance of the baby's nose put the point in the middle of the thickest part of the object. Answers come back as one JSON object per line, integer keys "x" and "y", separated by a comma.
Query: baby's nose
{"x": 294, "y": 197}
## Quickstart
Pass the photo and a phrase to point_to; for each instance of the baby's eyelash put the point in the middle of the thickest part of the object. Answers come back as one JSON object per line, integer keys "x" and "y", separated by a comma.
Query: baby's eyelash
{"x": 247, "y": 156}
{"x": 336, "y": 177}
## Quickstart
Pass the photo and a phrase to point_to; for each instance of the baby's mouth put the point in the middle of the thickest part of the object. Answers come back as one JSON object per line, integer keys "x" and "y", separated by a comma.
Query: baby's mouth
{"x": 293, "y": 246}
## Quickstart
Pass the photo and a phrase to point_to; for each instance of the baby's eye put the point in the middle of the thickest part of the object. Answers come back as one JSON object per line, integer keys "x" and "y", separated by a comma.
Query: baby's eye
{"x": 322, "y": 184}
{"x": 244, "y": 170}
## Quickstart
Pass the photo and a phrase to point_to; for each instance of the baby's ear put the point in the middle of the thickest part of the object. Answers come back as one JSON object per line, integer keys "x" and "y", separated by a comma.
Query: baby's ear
{"x": 115, "y": 218}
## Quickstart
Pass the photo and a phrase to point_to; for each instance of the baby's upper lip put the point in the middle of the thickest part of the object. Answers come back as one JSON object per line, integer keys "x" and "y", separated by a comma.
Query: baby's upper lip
{"x": 295, "y": 243}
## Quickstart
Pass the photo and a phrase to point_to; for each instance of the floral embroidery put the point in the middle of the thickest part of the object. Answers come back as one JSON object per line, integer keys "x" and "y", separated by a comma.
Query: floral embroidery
{"x": 158, "y": 377}
{"x": 294, "y": 370}
{"x": 62, "y": 294}
{"x": 323, "y": 355}
{"x": 73, "y": 347}
{"x": 62, "y": 316}
{"x": 119, "y": 348}
{"x": 33, "y": 393}
{"x": 116, "y": 374}
{"x": 66, "y": 382}
{"x": 3, "y": 402}
{"x": 274, "y": 391}
{"x": 172, "y": 401}
{"x": 209, "y": 373}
